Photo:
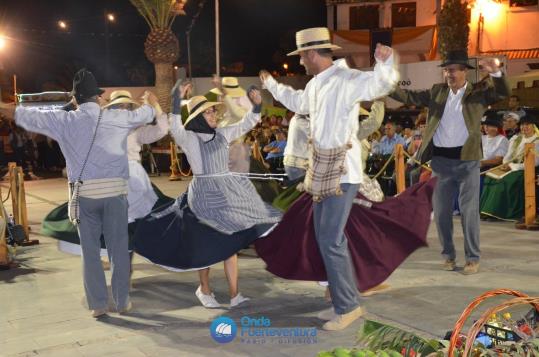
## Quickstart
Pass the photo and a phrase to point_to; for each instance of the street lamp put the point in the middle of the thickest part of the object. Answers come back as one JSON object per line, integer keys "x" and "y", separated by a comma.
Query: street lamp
{"x": 109, "y": 17}
{"x": 2, "y": 42}
{"x": 62, "y": 24}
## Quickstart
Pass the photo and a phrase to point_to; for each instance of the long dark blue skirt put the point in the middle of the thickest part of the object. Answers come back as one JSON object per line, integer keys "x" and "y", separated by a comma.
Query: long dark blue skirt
{"x": 175, "y": 238}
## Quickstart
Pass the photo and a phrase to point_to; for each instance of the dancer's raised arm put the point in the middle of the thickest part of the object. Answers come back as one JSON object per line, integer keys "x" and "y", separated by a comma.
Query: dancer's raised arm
{"x": 249, "y": 120}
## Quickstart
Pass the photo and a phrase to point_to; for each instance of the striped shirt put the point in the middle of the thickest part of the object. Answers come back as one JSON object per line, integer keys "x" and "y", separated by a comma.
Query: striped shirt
{"x": 74, "y": 131}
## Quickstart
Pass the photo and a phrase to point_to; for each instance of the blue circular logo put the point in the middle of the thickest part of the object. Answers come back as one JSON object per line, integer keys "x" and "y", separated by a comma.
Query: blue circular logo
{"x": 223, "y": 329}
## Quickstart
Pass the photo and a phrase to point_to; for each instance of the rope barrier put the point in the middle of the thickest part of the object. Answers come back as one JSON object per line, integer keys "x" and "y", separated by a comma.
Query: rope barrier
{"x": 426, "y": 167}
{"x": 385, "y": 166}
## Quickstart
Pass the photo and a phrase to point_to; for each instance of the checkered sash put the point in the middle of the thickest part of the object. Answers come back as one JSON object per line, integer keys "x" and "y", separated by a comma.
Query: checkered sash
{"x": 323, "y": 177}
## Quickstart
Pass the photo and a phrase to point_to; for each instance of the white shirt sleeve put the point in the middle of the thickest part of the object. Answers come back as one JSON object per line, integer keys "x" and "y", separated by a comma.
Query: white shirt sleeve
{"x": 51, "y": 123}
{"x": 151, "y": 133}
{"x": 295, "y": 100}
{"x": 372, "y": 84}
{"x": 234, "y": 131}
{"x": 133, "y": 118}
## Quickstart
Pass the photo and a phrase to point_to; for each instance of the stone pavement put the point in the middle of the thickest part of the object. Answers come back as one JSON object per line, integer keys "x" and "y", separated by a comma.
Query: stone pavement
{"x": 42, "y": 309}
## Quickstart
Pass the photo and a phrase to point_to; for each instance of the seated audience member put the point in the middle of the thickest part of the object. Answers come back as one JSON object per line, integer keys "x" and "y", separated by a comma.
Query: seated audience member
{"x": 495, "y": 145}
{"x": 386, "y": 146}
{"x": 275, "y": 151}
{"x": 510, "y": 124}
{"x": 503, "y": 196}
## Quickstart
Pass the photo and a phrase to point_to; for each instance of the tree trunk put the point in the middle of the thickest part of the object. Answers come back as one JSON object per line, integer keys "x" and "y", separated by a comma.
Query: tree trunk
{"x": 164, "y": 80}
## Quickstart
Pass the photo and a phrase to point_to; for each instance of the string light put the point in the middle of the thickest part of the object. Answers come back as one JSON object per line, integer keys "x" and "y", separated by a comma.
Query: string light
{"x": 111, "y": 17}
{"x": 62, "y": 24}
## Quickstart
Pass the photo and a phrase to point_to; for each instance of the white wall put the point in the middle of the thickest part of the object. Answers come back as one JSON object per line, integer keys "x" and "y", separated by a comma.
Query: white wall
{"x": 506, "y": 28}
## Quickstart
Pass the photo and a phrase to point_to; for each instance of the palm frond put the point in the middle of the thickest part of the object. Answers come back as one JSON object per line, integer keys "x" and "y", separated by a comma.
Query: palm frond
{"x": 378, "y": 336}
{"x": 158, "y": 14}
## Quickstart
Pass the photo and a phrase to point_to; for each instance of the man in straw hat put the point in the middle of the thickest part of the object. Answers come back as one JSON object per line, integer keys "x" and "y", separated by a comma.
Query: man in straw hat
{"x": 452, "y": 140}
{"x": 229, "y": 91}
{"x": 93, "y": 142}
{"x": 141, "y": 196}
{"x": 330, "y": 99}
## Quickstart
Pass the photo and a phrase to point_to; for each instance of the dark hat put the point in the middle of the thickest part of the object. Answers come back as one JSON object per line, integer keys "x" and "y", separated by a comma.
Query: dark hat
{"x": 456, "y": 57}
{"x": 407, "y": 123}
{"x": 85, "y": 85}
{"x": 492, "y": 118}
{"x": 531, "y": 116}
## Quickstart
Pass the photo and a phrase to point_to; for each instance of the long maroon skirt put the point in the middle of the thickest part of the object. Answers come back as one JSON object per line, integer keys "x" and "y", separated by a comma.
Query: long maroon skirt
{"x": 381, "y": 235}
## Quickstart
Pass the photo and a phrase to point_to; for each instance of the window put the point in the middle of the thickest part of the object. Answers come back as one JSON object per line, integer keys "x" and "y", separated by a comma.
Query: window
{"x": 364, "y": 17}
{"x": 403, "y": 14}
{"x": 519, "y": 3}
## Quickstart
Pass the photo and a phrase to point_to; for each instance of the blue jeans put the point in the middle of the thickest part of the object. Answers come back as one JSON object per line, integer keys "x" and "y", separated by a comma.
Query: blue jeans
{"x": 330, "y": 217}
{"x": 294, "y": 173}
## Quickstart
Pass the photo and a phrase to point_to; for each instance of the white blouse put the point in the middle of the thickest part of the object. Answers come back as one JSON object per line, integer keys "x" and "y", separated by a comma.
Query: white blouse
{"x": 519, "y": 150}
{"x": 493, "y": 147}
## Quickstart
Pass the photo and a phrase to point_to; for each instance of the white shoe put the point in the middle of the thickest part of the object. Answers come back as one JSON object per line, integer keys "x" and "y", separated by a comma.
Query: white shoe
{"x": 208, "y": 301}
{"x": 238, "y": 299}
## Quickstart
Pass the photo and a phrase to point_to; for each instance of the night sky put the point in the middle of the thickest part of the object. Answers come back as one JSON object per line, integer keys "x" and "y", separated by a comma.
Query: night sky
{"x": 256, "y": 33}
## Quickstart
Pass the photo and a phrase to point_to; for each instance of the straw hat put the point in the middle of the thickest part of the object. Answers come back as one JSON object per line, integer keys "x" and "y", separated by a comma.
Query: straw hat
{"x": 313, "y": 38}
{"x": 231, "y": 86}
{"x": 120, "y": 97}
{"x": 198, "y": 104}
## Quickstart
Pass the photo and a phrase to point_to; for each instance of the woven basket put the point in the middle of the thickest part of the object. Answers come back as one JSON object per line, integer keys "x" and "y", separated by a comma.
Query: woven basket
{"x": 472, "y": 333}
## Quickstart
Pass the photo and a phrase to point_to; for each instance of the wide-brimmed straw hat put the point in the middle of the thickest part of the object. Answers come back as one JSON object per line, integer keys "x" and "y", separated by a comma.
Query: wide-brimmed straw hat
{"x": 198, "y": 104}
{"x": 313, "y": 38}
{"x": 232, "y": 87}
{"x": 120, "y": 97}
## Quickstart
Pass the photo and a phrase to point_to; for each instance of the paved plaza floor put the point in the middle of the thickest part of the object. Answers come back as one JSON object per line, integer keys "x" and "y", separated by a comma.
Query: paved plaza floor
{"x": 43, "y": 313}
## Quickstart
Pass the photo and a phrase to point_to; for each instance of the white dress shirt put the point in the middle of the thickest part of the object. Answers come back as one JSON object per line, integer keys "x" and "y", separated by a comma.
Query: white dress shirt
{"x": 331, "y": 99}
{"x": 452, "y": 131}
{"x": 236, "y": 108}
{"x": 297, "y": 143}
{"x": 146, "y": 134}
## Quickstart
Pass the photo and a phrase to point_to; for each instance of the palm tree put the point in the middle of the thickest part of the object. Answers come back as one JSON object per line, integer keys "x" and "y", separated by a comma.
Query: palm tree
{"x": 161, "y": 46}
{"x": 453, "y": 28}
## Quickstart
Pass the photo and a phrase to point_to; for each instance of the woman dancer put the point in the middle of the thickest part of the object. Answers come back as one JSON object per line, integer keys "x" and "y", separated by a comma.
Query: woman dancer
{"x": 220, "y": 214}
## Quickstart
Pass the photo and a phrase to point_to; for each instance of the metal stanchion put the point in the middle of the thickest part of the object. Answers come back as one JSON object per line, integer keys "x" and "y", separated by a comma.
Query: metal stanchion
{"x": 174, "y": 173}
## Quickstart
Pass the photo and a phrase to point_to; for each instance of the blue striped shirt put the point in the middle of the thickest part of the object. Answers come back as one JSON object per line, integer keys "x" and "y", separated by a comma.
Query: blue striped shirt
{"x": 74, "y": 131}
